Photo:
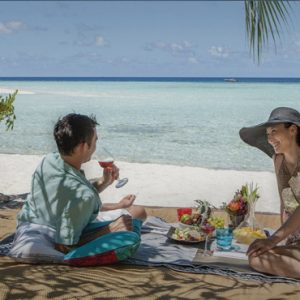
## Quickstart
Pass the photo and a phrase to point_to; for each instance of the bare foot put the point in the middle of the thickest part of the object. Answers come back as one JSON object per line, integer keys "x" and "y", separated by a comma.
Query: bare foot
{"x": 123, "y": 223}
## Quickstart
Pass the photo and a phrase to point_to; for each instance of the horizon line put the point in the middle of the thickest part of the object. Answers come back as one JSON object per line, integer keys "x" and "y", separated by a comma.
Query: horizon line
{"x": 292, "y": 77}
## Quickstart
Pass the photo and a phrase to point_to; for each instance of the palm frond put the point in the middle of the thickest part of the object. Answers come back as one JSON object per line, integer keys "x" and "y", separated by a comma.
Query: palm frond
{"x": 264, "y": 18}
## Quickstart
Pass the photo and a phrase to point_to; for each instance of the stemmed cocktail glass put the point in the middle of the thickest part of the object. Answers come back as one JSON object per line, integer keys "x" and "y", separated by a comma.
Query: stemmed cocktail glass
{"x": 208, "y": 230}
{"x": 106, "y": 160}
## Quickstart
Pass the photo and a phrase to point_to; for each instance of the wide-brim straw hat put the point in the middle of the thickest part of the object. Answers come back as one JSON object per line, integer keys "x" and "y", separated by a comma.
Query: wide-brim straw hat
{"x": 256, "y": 135}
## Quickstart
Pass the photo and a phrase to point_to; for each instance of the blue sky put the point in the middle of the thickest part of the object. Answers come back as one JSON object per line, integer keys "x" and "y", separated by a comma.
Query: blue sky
{"x": 153, "y": 38}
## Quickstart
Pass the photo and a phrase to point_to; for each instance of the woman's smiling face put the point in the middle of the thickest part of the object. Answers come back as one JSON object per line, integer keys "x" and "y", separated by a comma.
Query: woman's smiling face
{"x": 280, "y": 137}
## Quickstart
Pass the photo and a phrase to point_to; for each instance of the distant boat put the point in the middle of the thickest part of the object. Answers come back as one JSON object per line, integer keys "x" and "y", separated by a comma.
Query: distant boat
{"x": 230, "y": 80}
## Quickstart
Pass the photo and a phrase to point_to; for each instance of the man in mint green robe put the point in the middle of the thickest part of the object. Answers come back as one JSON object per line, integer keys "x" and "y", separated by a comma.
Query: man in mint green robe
{"x": 62, "y": 202}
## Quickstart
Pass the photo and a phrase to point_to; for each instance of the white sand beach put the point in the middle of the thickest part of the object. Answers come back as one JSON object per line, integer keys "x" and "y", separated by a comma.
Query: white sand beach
{"x": 155, "y": 185}
{"x": 4, "y": 90}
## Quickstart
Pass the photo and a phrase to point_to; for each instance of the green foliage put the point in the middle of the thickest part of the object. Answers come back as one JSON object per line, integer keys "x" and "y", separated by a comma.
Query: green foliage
{"x": 7, "y": 110}
{"x": 250, "y": 192}
{"x": 204, "y": 207}
{"x": 263, "y": 18}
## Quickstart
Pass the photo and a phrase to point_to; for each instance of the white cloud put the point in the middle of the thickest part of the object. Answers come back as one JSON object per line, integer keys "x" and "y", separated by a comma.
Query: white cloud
{"x": 10, "y": 27}
{"x": 100, "y": 41}
{"x": 86, "y": 41}
{"x": 174, "y": 47}
{"x": 118, "y": 60}
{"x": 193, "y": 60}
{"x": 218, "y": 51}
{"x": 179, "y": 47}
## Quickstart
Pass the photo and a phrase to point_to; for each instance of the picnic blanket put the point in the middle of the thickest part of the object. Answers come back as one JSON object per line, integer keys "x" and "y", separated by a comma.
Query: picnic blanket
{"x": 157, "y": 250}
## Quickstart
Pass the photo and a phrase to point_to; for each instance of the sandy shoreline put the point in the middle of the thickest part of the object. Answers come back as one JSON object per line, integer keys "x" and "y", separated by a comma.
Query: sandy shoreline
{"x": 155, "y": 185}
{"x": 4, "y": 90}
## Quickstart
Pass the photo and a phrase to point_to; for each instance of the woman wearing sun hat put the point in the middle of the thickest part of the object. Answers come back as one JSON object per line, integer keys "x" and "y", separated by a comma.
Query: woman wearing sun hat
{"x": 279, "y": 138}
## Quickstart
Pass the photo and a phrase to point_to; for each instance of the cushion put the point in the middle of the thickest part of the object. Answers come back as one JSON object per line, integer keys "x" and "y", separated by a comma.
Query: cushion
{"x": 108, "y": 249}
{"x": 34, "y": 243}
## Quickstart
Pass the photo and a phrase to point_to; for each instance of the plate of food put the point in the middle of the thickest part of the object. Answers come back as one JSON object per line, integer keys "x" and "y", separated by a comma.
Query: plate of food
{"x": 186, "y": 235}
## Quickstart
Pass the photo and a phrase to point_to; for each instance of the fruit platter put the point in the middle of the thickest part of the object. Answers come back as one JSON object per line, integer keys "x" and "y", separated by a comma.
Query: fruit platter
{"x": 186, "y": 235}
{"x": 197, "y": 217}
{"x": 190, "y": 220}
{"x": 195, "y": 225}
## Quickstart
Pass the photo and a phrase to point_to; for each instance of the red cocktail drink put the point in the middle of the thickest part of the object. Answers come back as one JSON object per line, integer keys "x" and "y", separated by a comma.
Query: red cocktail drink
{"x": 105, "y": 164}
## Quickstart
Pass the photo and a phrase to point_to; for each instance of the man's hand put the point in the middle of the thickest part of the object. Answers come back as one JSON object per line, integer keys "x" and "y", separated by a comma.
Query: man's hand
{"x": 127, "y": 201}
{"x": 260, "y": 246}
{"x": 123, "y": 223}
{"x": 110, "y": 174}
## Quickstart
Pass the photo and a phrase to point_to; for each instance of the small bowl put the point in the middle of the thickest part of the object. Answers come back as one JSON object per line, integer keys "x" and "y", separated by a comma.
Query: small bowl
{"x": 246, "y": 235}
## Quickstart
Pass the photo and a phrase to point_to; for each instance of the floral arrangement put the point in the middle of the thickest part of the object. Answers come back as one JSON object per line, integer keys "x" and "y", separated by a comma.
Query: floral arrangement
{"x": 239, "y": 204}
{"x": 251, "y": 193}
{"x": 242, "y": 204}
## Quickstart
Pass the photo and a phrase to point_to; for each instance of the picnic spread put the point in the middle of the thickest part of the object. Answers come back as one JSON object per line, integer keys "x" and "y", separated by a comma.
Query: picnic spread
{"x": 181, "y": 245}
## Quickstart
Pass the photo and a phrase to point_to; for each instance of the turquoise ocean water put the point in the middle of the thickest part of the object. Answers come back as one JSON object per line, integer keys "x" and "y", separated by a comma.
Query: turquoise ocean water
{"x": 178, "y": 121}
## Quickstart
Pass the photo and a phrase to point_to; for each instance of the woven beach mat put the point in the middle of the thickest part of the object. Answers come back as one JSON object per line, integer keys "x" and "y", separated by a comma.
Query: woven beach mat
{"x": 25, "y": 281}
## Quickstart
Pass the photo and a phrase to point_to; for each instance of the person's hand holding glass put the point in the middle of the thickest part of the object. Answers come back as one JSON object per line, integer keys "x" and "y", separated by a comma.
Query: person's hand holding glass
{"x": 110, "y": 170}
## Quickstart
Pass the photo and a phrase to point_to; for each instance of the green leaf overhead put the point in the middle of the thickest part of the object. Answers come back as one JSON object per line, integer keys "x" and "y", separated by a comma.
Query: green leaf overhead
{"x": 264, "y": 18}
{"x": 7, "y": 110}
